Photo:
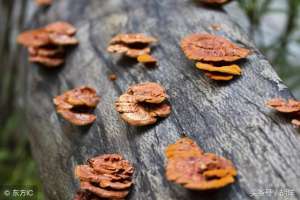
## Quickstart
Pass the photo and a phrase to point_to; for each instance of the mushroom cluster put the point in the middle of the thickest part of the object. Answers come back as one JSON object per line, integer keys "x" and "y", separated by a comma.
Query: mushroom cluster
{"x": 133, "y": 45}
{"x": 189, "y": 166}
{"x": 47, "y": 45}
{"x": 75, "y": 105}
{"x": 106, "y": 176}
{"x": 290, "y": 107}
{"x": 143, "y": 103}
{"x": 214, "y": 55}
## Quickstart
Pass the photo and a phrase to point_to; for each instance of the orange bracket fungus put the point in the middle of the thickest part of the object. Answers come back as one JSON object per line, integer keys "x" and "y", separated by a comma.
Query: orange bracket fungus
{"x": 211, "y": 48}
{"x": 218, "y": 77}
{"x": 211, "y": 52}
{"x": 43, "y": 2}
{"x": 106, "y": 176}
{"x": 230, "y": 69}
{"x": 190, "y": 167}
{"x": 147, "y": 59}
{"x": 223, "y": 73}
{"x": 291, "y": 107}
{"x": 143, "y": 103}
{"x": 133, "y": 45}
{"x": 75, "y": 105}
{"x": 47, "y": 45}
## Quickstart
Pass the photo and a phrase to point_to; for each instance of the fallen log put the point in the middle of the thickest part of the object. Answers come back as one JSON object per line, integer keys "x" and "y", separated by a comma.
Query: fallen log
{"x": 229, "y": 119}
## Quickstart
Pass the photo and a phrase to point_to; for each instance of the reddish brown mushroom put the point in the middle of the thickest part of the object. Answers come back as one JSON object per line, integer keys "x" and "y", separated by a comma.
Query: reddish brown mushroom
{"x": 107, "y": 176}
{"x": 46, "y": 45}
{"x": 34, "y": 38}
{"x": 74, "y": 105}
{"x": 61, "y": 27}
{"x": 46, "y": 61}
{"x": 211, "y": 48}
{"x": 49, "y": 51}
{"x": 143, "y": 103}
{"x": 214, "y": 54}
{"x": 189, "y": 166}
{"x": 44, "y": 2}
{"x": 132, "y": 44}
{"x": 133, "y": 38}
{"x": 290, "y": 107}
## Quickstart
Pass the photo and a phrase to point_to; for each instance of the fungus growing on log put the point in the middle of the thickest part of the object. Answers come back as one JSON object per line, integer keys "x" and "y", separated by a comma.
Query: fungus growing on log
{"x": 189, "y": 166}
{"x": 43, "y": 2}
{"x": 230, "y": 69}
{"x": 47, "y": 45}
{"x": 106, "y": 176}
{"x": 290, "y": 107}
{"x": 75, "y": 105}
{"x": 143, "y": 103}
{"x": 61, "y": 27}
{"x": 211, "y": 48}
{"x": 218, "y": 76}
{"x": 212, "y": 52}
{"x": 224, "y": 73}
{"x": 147, "y": 59}
{"x": 134, "y": 45}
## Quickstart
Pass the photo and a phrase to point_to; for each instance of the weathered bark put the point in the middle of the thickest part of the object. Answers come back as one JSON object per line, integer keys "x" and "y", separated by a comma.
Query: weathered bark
{"x": 229, "y": 119}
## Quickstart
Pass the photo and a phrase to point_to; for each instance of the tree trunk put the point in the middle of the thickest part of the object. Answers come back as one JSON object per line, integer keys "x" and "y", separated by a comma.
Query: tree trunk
{"x": 229, "y": 119}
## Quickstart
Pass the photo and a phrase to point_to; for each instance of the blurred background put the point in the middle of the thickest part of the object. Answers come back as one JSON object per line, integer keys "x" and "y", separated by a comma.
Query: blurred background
{"x": 274, "y": 27}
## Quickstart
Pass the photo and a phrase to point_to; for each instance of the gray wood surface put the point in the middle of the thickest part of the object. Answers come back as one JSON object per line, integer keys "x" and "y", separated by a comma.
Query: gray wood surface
{"x": 229, "y": 119}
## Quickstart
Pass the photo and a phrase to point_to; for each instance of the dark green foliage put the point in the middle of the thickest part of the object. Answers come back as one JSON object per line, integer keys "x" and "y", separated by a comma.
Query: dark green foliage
{"x": 17, "y": 167}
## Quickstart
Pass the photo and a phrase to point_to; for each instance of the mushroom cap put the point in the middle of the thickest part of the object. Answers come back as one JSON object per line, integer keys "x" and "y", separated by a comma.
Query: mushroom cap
{"x": 207, "y": 47}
